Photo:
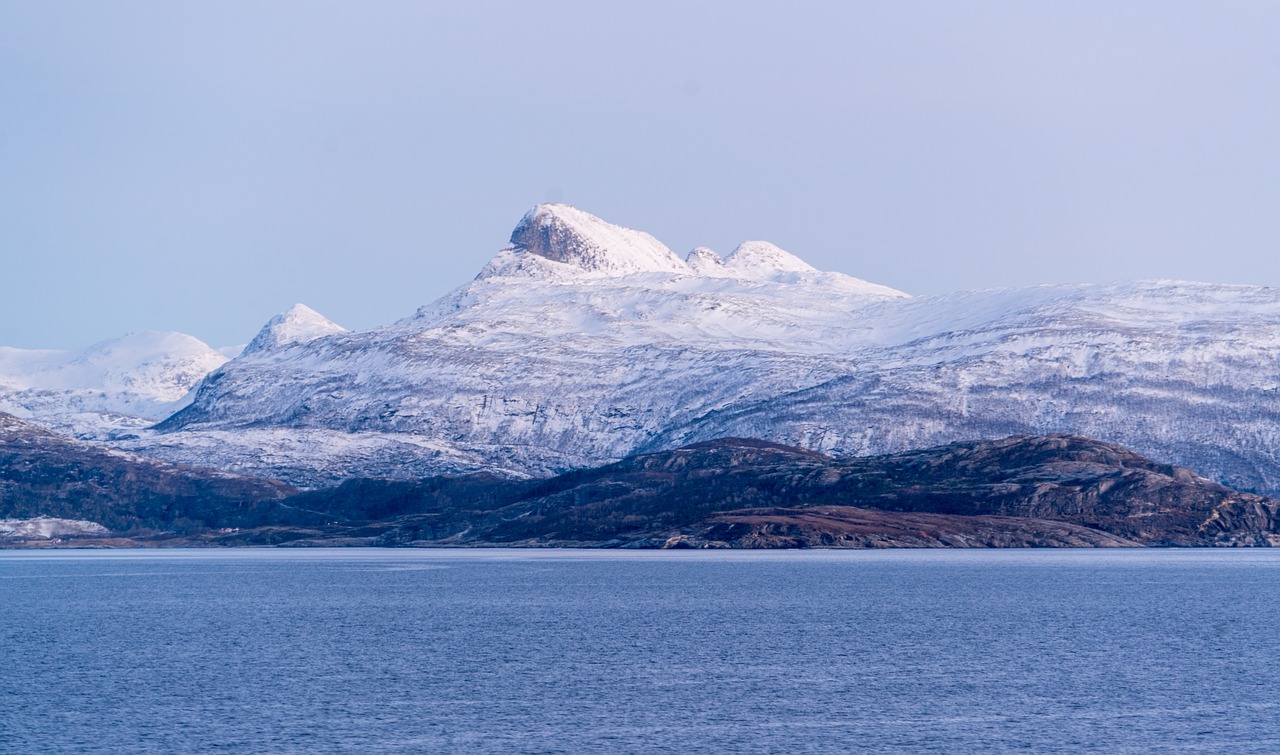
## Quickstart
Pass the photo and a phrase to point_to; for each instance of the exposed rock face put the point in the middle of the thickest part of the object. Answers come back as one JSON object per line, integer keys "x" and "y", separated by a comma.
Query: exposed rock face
{"x": 1244, "y": 522}
{"x": 562, "y": 233}
{"x": 851, "y": 527}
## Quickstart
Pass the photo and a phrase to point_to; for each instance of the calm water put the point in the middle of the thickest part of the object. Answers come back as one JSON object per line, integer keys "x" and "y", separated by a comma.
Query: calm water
{"x": 572, "y": 651}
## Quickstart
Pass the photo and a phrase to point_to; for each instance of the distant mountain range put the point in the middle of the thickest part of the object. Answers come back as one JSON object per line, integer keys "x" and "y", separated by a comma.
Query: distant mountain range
{"x": 581, "y": 343}
{"x": 117, "y": 386}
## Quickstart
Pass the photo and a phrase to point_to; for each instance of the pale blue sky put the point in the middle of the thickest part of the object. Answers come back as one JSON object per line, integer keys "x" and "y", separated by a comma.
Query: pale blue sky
{"x": 200, "y": 166}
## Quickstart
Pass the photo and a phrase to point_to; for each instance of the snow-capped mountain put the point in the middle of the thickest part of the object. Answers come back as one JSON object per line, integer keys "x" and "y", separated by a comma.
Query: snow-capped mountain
{"x": 536, "y": 365}
{"x": 115, "y": 386}
{"x": 582, "y": 342}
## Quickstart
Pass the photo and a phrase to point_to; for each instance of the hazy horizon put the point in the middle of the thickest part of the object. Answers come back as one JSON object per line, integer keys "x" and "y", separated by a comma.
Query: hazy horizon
{"x": 202, "y": 168}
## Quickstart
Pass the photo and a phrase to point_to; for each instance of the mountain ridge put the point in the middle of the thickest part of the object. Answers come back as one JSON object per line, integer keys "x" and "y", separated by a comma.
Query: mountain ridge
{"x": 538, "y": 366}
{"x": 582, "y": 342}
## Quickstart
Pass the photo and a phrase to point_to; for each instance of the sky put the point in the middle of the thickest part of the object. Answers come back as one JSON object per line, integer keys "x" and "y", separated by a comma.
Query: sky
{"x": 199, "y": 167}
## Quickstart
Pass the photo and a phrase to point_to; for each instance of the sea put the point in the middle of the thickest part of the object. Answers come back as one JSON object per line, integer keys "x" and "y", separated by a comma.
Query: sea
{"x": 587, "y": 651}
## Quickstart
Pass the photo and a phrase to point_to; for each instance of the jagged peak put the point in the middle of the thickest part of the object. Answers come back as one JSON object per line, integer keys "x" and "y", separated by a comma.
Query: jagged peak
{"x": 297, "y": 324}
{"x": 761, "y": 257}
{"x": 563, "y": 233}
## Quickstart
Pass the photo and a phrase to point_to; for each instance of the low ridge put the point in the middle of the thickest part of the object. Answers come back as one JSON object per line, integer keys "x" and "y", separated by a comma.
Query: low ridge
{"x": 1022, "y": 491}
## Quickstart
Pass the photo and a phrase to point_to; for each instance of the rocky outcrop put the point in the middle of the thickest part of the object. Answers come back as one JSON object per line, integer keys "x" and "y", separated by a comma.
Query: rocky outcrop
{"x": 565, "y": 234}
{"x": 851, "y": 527}
{"x": 1246, "y": 521}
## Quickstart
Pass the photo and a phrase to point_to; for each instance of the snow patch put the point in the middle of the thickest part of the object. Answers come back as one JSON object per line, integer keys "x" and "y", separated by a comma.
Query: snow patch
{"x": 48, "y": 528}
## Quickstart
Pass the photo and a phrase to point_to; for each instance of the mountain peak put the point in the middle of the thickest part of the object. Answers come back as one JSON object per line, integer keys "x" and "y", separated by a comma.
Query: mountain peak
{"x": 704, "y": 261}
{"x": 297, "y": 324}
{"x": 763, "y": 258}
{"x": 563, "y": 233}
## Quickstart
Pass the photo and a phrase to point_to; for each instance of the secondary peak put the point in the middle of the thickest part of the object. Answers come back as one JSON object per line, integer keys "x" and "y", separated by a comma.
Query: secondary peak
{"x": 764, "y": 258}
{"x": 297, "y": 324}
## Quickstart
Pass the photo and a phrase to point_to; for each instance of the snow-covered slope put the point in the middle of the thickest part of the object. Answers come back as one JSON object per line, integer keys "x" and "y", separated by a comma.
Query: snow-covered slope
{"x": 114, "y": 386}
{"x": 582, "y": 342}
